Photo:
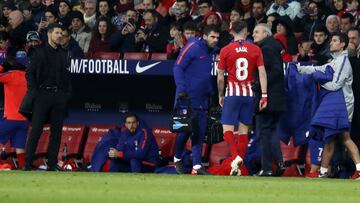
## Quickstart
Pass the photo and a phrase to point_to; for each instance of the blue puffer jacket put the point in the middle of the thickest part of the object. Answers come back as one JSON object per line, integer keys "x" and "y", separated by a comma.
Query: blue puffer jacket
{"x": 192, "y": 72}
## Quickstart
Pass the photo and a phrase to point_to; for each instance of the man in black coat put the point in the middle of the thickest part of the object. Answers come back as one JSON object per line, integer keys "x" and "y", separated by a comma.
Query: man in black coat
{"x": 49, "y": 84}
{"x": 267, "y": 120}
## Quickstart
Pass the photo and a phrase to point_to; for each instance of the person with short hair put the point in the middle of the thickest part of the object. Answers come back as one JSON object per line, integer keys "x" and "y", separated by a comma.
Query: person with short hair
{"x": 49, "y": 90}
{"x": 80, "y": 31}
{"x": 334, "y": 112}
{"x": 239, "y": 59}
{"x": 192, "y": 74}
{"x": 268, "y": 119}
{"x": 347, "y": 21}
{"x": 136, "y": 151}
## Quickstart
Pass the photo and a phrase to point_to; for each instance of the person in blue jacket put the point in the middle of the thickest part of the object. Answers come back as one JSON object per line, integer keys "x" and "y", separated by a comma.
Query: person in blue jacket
{"x": 192, "y": 74}
{"x": 136, "y": 151}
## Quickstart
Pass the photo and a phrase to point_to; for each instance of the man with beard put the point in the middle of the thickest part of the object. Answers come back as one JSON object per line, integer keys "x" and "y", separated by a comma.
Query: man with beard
{"x": 49, "y": 90}
{"x": 258, "y": 15}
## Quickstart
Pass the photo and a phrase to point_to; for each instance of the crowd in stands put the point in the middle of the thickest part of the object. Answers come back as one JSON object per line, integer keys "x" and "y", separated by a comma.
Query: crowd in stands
{"x": 302, "y": 26}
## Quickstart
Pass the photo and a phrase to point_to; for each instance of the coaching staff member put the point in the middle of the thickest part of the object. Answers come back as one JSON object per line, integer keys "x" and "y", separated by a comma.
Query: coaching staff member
{"x": 268, "y": 119}
{"x": 49, "y": 83}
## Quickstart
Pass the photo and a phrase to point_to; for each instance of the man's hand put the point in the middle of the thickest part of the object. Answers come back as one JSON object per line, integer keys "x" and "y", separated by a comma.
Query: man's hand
{"x": 113, "y": 153}
{"x": 221, "y": 101}
{"x": 263, "y": 101}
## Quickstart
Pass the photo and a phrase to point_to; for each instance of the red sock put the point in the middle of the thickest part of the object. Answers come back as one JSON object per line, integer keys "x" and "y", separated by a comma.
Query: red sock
{"x": 21, "y": 160}
{"x": 230, "y": 140}
{"x": 242, "y": 142}
{"x": 106, "y": 166}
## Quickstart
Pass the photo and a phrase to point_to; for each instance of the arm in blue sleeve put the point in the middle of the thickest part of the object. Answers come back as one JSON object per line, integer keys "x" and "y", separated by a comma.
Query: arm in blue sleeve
{"x": 142, "y": 149}
{"x": 181, "y": 64}
{"x": 323, "y": 77}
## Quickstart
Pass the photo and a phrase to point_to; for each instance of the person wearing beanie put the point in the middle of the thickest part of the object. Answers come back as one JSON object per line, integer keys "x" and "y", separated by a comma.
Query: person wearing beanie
{"x": 80, "y": 31}
{"x": 64, "y": 7}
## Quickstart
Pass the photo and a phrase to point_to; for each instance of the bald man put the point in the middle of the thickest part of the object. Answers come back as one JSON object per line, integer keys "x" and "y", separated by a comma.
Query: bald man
{"x": 19, "y": 28}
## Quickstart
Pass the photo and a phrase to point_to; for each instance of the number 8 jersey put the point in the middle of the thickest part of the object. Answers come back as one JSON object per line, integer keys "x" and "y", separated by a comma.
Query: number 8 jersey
{"x": 239, "y": 59}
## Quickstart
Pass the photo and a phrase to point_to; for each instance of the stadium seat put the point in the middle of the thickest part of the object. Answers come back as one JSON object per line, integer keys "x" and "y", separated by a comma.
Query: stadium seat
{"x": 73, "y": 137}
{"x": 218, "y": 153}
{"x": 106, "y": 55}
{"x": 136, "y": 56}
{"x": 158, "y": 56}
{"x": 94, "y": 136}
{"x": 43, "y": 143}
{"x": 292, "y": 158}
{"x": 165, "y": 140}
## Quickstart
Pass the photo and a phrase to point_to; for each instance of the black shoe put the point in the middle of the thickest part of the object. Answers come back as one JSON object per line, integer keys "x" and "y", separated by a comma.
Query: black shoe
{"x": 324, "y": 175}
{"x": 56, "y": 168}
{"x": 200, "y": 171}
{"x": 265, "y": 173}
{"x": 179, "y": 167}
{"x": 26, "y": 168}
{"x": 280, "y": 169}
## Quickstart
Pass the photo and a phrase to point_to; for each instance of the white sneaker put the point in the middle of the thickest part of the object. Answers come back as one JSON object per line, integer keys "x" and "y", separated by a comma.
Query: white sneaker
{"x": 235, "y": 166}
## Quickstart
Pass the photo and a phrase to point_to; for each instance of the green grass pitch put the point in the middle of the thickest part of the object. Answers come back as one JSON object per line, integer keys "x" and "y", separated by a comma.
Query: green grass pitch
{"x": 78, "y": 187}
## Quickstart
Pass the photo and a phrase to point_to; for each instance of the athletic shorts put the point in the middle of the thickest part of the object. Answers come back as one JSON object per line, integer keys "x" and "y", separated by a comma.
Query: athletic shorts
{"x": 238, "y": 109}
{"x": 15, "y": 131}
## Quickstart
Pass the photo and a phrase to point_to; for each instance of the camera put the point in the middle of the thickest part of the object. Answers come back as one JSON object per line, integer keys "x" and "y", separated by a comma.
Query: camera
{"x": 131, "y": 22}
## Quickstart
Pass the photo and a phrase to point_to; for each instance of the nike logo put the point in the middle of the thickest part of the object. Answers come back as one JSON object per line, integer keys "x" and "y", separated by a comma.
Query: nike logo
{"x": 140, "y": 69}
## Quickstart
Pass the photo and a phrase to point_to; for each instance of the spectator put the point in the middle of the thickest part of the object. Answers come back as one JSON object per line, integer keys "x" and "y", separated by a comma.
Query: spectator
{"x": 25, "y": 8}
{"x": 100, "y": 37}
{"x": 36, "y": 10}
{"x": 64, "y": 14}
{"x": 270, "y": 21}
{"x": 332, "y": 24}
{"x": 123, "y": 5}
{"x": 204, "y": 6}
{"x": 236, "y": 15}
{"x": 189, "y": 30}
{"x": 4, "y": 45}
{"x": 267, "y": 119}
{"x": 137, "y": 150}
{"x": 192, "y": 74}
{"x": 32, "y": 40}
{"x": 284, "y": 27}
{"x": 258, "y": 15}
{"x": 282, "y": 7}
{"x": 150, "y": 5}
{"x": 49, "y": 90}
{"x": 180, "y": 12}
{"x": 352, "y": 8}
{"x": 308, "y": 19}
{"x": 49, "y": 17}
{"x": 7, "y": 8}
{"x": 320, "y": 48}
{"x": 245, "y": 6}
{"x": 152, "y": 38}
{"x": 80, "y": 6}
{"x": 90, "y": 13}
{"x": 214, "y": 18}
{"x": 354, "y": 39}
{"x": 176, "y": 42}
{"x": 347, "y": 21}
{"x": 19, "y": 29}
{"x": 105, "y": 8}
{"x": 124, "y": 40}
{"x": 284, "y": 53}
{"x": 68, "y": 43}
{"x": 79, "y": 31}
{"x": 337, "y": 6}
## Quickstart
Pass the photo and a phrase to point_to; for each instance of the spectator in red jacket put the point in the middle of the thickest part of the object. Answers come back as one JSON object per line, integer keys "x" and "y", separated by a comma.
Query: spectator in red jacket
{"x": 100, "y": 37}
{"x": 176, "y": 42}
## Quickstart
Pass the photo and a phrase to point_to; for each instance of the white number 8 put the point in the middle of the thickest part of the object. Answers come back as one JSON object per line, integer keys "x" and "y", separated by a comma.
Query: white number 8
{"x": 242, "y": 68}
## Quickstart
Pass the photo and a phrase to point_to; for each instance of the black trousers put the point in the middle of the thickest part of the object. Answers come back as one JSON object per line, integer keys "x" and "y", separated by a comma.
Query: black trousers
{"x": 266, "y": 124}
{"x": 49, "y": 106}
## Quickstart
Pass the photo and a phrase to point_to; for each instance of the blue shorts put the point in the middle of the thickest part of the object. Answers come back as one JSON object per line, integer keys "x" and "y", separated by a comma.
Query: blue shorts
{"x": 15, "y": 131}
{"x": 238, "y": 109}
{"x": 316, "y": 150}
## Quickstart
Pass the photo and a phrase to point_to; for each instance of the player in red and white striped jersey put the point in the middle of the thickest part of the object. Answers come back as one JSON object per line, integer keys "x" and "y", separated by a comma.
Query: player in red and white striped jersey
{"x": 240, "y": 60}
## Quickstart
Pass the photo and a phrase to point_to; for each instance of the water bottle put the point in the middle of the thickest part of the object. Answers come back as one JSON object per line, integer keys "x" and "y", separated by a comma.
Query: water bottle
{"x": 3, "y": 154}
{"x": 64, "y": 153}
